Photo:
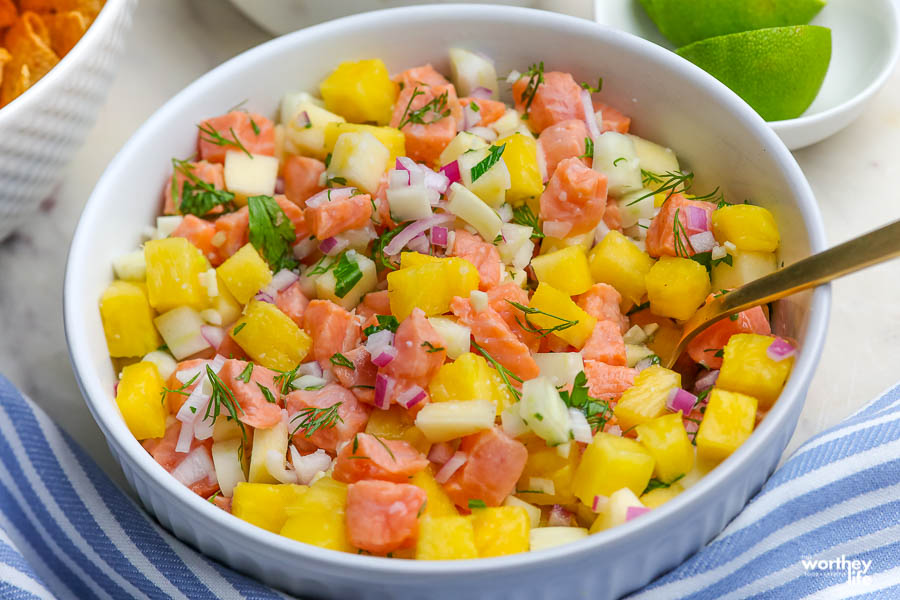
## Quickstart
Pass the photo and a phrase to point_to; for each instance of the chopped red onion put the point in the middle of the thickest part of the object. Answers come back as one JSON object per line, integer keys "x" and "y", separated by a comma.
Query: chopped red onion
{"x": 398, "y": 178}
{"x": 310, "y": 368}
{"x": 450, "y": 467}
{"x": 264, "y": 297}
{"x": 697, "y": 219}
{"x": 599, "y": 503}
{"x": 185, "y": 437}
{"x": 481, "y": 93}
{"x": 440, "y": 453}
{"x": 485, "y": 133}
{"x": 470, "y": 117}
{"x": 283, "y": 279}
{"x": 439, "y": 236}
{"x": 196, "y": 466}
{"x": 307, "y": 466}
{"x": 706, "y": 381}
{"x": 559, "y": 517}
{"x": 384, "y": 356}
{"x": 329, "y": 195}
{"x": 589, "y": 119}
{"x": 451, "y": 171}
{"x": 581, "y": 429}
{"x": 682, "y": 400}
{"x": 614, "y": 430}
{"x": 213, "y": 335}
{"x": 411, "y": 396}
{"x": 704, "y": 241}
{"x": 635, "y": 511}
{"x": 557, "y": 229}
{"x": 327, "y": 244}
{"x": 196, "y": 402}
{"x": 301, "y": 121}
{"x": 413, "y": 229}
{"x": 780, "y": 349}
{"x": 304, "y": 248}
{"x": 419, "y": 244}
{"x": 384, "y": 389}
{"x": 279, "y": 185}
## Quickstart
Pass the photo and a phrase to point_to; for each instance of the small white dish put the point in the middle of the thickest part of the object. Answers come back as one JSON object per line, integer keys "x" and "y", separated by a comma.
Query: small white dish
{"x": 865, "y": 47}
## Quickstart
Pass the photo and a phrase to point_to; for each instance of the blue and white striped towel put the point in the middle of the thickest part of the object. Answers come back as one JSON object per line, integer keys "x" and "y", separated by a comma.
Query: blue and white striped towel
{"x": 830, "y": 514}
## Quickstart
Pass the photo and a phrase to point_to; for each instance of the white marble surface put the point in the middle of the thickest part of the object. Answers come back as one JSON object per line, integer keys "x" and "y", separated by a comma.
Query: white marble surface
{"x": 175, "y": 41}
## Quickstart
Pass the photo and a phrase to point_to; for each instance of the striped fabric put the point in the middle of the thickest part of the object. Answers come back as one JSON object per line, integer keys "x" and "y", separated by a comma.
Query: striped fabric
{"x": 826, "y": 525}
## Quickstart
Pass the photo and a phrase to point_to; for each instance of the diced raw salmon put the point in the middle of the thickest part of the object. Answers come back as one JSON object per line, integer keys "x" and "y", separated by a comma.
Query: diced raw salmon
{"x": 361, "y": 378}
{"x": 353, "y": 417}
{"x": 557, "y": 99}
{"x": 426, "y": 140}
{"x": 575, "y": 195}
{"x": 222, "y": 502}
{"x": 292, "y": 302}
{"x": 382, "y": 206}
{"x": 710, "y": 341}
{"x": 613, "y": 120}
{"x": 612, "y": 216}
{"x": 205, "y": 171}
{"x": 552, "y": 343}
{"x": 563, "y": 140}
{"x": 494, "y": 463}
{"x": 487, "y": 110}
{"x": 608, "y": 381}
{"x": 602, "y": 301}
{"x": 163, "y": 451}
{"x": 424, "y": 75}
{"x": 230, "y": 349}
{"x": 200, "y": 233}
{"x": 256, "y": 410}
{"x": 499, "y": 298}
{"x": 661, "y": 234}
{"x": 383, "y": 516}
{"x": 174, "y": 400}
{"x": 253, "y": 131}
{"x": 414, "y": 364}
{"x": 301, "y": 178}
{"x": 368, "y": 457}
{"x": 496, "y": 337}
{"x": 605, "y": 344}
{"x": 331, "y": 218}
{"x": 483, "y": 255}
{"x": 234, "y": 229}
{"x": 296, "y": 215}
{"x": 332, "y": 328}
{"x": 373, "y": 303}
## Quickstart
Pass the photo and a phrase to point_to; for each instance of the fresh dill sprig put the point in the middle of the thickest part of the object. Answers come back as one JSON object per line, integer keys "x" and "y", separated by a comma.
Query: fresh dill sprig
{"x": 197, "y": 197}
{"x": 523, "y": 215}
{"x": 670, "y": 182}
{"x": 214, "y": 137}
{"x": 267, "y": 394}
{"x": 505, "y": 374}
{"x": 431, "y": 347}
{"x": 678, "y": 230}
{"x": 246, "y": 373}
{"x": 181, "y": 391}
{"x": 312, "y": 419}
{"x": 543, "y": 331}
{"x": 339, "y": 360}
{"x": 222, "y": 397}
{"x": 535, "y": 74}
{"x": 286, "y": 379}
{"x": 436, "y": 107}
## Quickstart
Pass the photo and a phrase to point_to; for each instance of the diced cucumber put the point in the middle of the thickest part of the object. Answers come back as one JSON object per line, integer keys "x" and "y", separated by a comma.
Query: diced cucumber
{"x": 180, "y": 329}
{"x": 544, "y": 411}
{"x": 654, "y": 158}
{"x": 130, "y": 266}
{"x": 470, "y": 71}
{"x": 559, "y": 367}
{"x": 227, "y": 460}
{"x": 615, "y": 157}
{"x": 444, "y": 421}
{"x": 456, "y": 338}
{"x": 250, "y": 175}
{"x": 264, "y": 440}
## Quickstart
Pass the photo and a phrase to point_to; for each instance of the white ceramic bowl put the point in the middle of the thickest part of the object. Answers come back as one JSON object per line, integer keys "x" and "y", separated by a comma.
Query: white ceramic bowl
{"x": 41, "y": 129}
{"x": 713, "y": 131}
{"x": 865, "y": 47}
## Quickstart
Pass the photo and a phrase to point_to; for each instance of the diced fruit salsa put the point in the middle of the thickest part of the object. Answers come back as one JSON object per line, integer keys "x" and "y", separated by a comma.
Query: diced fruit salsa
{"x": 407, "y": 319}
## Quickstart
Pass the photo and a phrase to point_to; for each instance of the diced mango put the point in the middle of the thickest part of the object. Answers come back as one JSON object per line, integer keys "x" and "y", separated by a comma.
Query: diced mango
{"x": 659, "y": 496}
{"x": 174, "y": 266}
{"x": 225, "y": 304}
{"x": 676, "y": 287}
{"x": 610, "y": 463}
{"x": 265, "y": 505}
{"x": 469, "y": 377}
{"x": 567, "y": 270}
{"x": 270, "y": 337}
{"x": 430, "y": 286}
{"x": 396, "y": 423}
{"x": 548, "y": 299}
{"x": 306, "y": 132}
{"x": 274, "y": 439}
{"x": 745, "y": 267}
{"x": 438, "y": 503}
{"x": 747, "y": 226}
{"x": 501, "y": 530}
{"x": 646, "y": 399}
{"x": 361, "y": 159}
{"x": 416, "y": 259}
{"x": 545, "y": 462}
{"x": 128, "y": 320}
{"x": 747, "y": 368}
{"x": 551, "y": 244}
{"x": 446, "y": 538}
{"x": 325, "y": 495}
{"x": 616, "y": 260}
{"x": 520, "y": 156}
{"x": 360, "y": 91}
{"x": 667, "y": 441}
{"x": 728, "y": 421}
{"x": 550, "y": 537}
{"x": 245, "y": 273}
{"x": 462, "y": 143}
{"x": 139, "y": 399}
{"x": 318, "y": 517}
{"x": 392, "y": 138}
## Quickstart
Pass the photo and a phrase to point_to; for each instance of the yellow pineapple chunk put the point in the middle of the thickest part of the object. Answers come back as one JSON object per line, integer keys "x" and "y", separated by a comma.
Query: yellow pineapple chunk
{"x": 646, "y": 399}
{"x": 616, "y": 260}
{"x": 550, "y": 300}
{"x": 747, "y": 368}
{"x": 567, "y": 270}
{"x": 501, "y": 530}
{"x": 547, "y": 463}
{"x": 265, "y": 505}
{"x": 396, "y": 423}
{"x": 128, "y": 320}
{"x": 245, "y": 273}
{"x": 745, "y": 267}
{"x": 360, "y": 91}
{"x": 392, "y": 138}
{"x": 552, "y": 244}
{"x": 138, "y": 397}
{"x": 615, "y": 510}
{"x": 430, "y": 286}
{"x": 318, "y": 517}
{"x": 438, "y": 503}
{"x": 469, "y": 377}
{"x": 667, "y": 441}
{"x": 520, "y": 156}
{"x": 416, "y": 259}
{"x": 728, "y": 421}
{"x": 270, "y": 337}
{"x": 676, "y": 287}
{"x": 659, "y": 496}
{"x": 747, "y": 226}
{"x": 610, "y": 463}
{"x": 174, "y": 266}
{"x": 446, "y": 538}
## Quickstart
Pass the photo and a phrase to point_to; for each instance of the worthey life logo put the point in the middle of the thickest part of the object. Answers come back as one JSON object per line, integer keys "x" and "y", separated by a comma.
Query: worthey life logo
{"x": 854, "y": 571}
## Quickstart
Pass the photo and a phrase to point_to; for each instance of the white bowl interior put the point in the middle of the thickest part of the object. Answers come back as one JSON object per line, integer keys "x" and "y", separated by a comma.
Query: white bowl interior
{"x": 710, "y": 128}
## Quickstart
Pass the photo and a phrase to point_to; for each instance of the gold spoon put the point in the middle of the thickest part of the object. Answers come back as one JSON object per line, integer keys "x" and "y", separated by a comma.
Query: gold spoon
{"x": 861, "y": 252}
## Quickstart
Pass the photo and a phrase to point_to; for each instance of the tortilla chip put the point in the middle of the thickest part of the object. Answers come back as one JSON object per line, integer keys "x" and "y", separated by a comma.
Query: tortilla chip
{"x": 88, "y": 8}
{"x": 8, "y": 13}
{"x": 29, "y": 43}
{"x": 15, "y": 81}
{"x": 65, "y": 30}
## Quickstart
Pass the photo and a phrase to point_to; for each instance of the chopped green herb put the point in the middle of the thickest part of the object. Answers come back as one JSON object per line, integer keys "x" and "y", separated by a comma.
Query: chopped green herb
{"x": 655, "y": 484}
{"x": 181, "y": 391}
{"x": 706, "y": 259}
{"x": 422, "y": 509}
{"x": 539, "y": 416}
{"x": 271, "y": 232}
{"x": 618, "y": 160}
{"x": 332, "y": 181}
{"x": 312, "y": 419}
{"x": 254, "y": 126}
{"x": 432, "y": 348}
{"x": 638, "y": 308}
{"x": 246, "y": 373}
{"x": 734, "y": 317}
{"x": 267, "y": 394}
{"x": 473, "y": 504}
{"x": 346, "y": 274}
{"x": 321, "y": 266}
{"x": 543, "y": 331}
{"x": 163, "y": 348}
{"x": 681, "y": 237}
{"x": 238, "y": 329}
{"x": 485, "y": 164}
{"x": 378, "y": 255}
{"x": 339, "y": 360}
{"x": 197, "y": 197}
{"x": 523, "y": 215}
{"x": 436, "y": 108}
{"x": 221, "y": 397}
{"x": 363, "y": 387}
{"x": 535, "y": 74}
{"x": 505, "y": 374}
{"x": 720, "y": 353}
{"x": 328, "y": 160}
{"x": 214, "y": 137}
{"x": 388, "y": 322}
{"x": 286, "y": 379}
{"x": 596, "y": 411}
{"x": 385, "y": 446}
{"x": 591, "y": 88}
{"x": 588, "y": 148}
{"x": 670, "y": 182}
{"x": 213, "y": 497}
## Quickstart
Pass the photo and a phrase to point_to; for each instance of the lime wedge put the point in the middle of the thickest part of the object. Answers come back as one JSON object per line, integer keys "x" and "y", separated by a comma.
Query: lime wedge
{"x": 777, "y": 71}
{"x": 686, "y": 21}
